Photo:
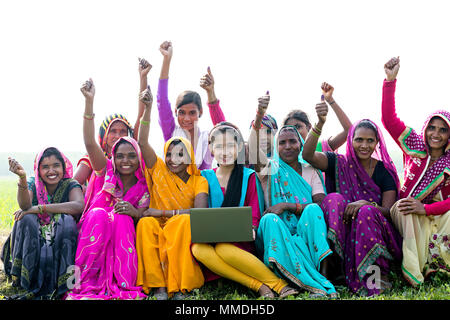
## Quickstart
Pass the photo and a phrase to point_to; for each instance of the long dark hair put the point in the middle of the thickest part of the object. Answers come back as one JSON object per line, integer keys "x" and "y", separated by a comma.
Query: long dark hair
{"x": 233, "y": 192}
{"x": 298, "y": 115}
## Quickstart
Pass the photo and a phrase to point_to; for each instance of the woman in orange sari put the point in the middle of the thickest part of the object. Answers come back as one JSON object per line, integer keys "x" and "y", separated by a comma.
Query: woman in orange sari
{"x": 163, "y": 234}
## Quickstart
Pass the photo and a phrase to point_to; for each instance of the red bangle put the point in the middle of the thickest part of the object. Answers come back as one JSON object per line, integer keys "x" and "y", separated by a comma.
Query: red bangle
{"x": 298, "y": 206}
{"x": 253, "y": 126}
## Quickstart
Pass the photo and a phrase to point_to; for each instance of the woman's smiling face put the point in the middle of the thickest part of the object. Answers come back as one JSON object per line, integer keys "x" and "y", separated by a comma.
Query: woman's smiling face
{"x": 126, "y": 159}
{"x": 51, "y": 170}
{"x": 289, "y": 146}
{"x": 437, "y": 134}
{"x": 364, "y": 142}
{"x": 177, "y": 158}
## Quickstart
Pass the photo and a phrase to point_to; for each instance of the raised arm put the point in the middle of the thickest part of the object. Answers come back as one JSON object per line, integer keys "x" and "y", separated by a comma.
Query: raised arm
{"x": 257, "y": 155}
{"x": 24, "y": 195}
{"x": 166, "y": 119}
{"x": 317, "y": 159}
{"x": 144, "y": 68}
{"x": 389, "y": 117}
{"x": 207, "y": 83}
{"x": 148, "y": 152}
{"x": 338, "y": 140}
{"x": 96, "y": 155}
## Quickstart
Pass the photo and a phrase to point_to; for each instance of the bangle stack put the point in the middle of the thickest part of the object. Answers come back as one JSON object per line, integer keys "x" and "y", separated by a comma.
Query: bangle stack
{"x": 316, "y": 132}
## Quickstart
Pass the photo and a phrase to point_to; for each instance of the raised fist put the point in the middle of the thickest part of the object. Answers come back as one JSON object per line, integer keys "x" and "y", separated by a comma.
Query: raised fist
{"x": 144, "y": 67}
{"x": 327, "y": 91}
{"x": 88, "y": 89}
{"x": 166, "y": 49}
{"x": 391, "y": 68}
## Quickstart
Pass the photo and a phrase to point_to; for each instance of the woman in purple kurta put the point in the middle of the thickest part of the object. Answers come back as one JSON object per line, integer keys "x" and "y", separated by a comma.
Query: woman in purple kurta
{"x": 364, "y": 185}
{"x": 188, "y": 110}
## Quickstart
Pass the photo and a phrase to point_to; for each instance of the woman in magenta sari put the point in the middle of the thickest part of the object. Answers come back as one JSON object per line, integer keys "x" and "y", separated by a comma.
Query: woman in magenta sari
{"x": 422, "y": 215}
{"x": 106, "y": 253}
{"x": 363, "y": 186}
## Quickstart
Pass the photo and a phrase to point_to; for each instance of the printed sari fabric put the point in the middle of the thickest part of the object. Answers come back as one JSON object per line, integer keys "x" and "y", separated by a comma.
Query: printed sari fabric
{"x": 41, "y": 248}
{"x": 426, "y": 245}
{"x": 371, "y": 238}
{"x": 163, "y": 245}
{"x": 106, "y": 253}
{"x": 294, "y": 247}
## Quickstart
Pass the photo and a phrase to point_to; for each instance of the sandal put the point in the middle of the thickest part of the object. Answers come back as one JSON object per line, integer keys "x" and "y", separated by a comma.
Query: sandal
{"x": 265, "y": 292}
{"x": 287, "y": 291}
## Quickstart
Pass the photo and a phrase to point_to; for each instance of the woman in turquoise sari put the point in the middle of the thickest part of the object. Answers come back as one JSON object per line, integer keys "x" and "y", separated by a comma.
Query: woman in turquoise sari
{"x": 292, "y": 233}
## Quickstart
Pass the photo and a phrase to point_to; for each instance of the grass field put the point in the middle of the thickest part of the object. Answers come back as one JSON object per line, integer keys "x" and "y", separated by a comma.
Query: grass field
{"x": 435, "y": 288}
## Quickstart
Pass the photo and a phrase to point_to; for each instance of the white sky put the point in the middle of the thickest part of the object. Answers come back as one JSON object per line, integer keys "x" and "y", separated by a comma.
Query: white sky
{"x": 48, "y": 48}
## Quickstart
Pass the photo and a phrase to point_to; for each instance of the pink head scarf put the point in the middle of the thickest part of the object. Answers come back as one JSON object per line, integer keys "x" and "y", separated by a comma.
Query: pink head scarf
{"x": 109, "y": 189}
{"x": 41, "y": 190}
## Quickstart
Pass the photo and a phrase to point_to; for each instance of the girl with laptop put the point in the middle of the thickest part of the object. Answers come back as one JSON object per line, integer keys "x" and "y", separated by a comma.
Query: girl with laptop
{"x": 233, "y": 185}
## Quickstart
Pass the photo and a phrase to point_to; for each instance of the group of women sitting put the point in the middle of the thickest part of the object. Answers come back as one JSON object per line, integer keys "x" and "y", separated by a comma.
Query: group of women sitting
{"x": 319, "y": 216}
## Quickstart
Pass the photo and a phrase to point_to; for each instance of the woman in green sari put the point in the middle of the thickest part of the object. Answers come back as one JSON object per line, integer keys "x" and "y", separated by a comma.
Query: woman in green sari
{"x": 292, "y": 232}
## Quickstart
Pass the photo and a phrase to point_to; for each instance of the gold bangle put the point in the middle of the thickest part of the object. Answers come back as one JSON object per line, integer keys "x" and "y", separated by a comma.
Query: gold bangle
{"x": 89, "y": 116}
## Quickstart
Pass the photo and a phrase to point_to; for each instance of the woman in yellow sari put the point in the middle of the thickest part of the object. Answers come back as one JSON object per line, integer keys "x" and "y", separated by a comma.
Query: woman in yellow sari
{"x": 163, "y": 234}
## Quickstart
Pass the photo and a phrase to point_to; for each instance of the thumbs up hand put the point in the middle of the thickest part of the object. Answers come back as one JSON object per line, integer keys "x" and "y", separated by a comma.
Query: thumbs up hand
{"x": 322, "y": 109}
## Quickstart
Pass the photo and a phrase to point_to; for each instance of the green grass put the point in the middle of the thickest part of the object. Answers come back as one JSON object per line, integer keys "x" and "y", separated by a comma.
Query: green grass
{"x": 435, "y": 288}
{"x": 8, "y": 203}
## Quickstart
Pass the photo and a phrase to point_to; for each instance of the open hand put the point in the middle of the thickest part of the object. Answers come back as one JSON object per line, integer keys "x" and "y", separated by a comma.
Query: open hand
{"x": 166, "y": 49}
{"x": 144, "y": 67}
{"x": 391, "y": 68}
{"x": 16, "y": 168}
{"x": 88, "y": 89}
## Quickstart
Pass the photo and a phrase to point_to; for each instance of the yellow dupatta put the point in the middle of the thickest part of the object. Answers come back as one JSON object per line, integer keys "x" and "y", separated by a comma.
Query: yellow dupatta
{"x": 167, "y": 190}
{"x": 163, "y": 245}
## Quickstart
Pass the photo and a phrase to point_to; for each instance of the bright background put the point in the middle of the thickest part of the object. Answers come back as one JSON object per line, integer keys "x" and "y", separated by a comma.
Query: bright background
{"x": 48, "y": 48}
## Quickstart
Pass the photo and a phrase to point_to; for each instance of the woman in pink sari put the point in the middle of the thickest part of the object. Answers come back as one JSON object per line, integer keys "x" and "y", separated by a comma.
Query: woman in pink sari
{"x": 106, "y": 253}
